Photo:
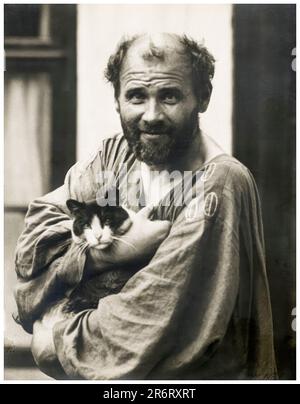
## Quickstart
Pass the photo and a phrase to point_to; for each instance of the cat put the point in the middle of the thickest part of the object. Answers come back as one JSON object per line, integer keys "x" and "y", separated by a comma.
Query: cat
{"x": 98, "y": 227}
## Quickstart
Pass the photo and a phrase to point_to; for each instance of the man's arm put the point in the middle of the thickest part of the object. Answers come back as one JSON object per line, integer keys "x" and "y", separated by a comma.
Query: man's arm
{"x": 145, "y": 235}
{"x": 132, "y": 332}
{"x": 47, "y": 263}
{"x": 191, "y": 311}
{"x": 43, "y": 352}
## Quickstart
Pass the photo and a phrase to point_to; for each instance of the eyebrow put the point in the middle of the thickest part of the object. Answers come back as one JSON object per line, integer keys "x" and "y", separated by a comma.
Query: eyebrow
{"x": 144, "y": 88}
{"x": 133, "y": 89}
{"x": 175, "y": 89}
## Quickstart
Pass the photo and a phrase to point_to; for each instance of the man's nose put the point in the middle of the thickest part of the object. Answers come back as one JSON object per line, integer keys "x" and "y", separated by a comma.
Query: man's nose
{"x": 153, "y": 113}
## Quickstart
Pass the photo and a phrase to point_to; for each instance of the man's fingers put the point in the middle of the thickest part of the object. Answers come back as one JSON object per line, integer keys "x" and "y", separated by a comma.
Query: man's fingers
{"x": 166, "y": 224}
{"x": 164, "y": 227}
{"x": 146, "y": 211}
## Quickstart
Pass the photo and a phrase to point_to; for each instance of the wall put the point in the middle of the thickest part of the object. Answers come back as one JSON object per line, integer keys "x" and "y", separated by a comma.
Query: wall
{"x": 265, "y": 141}
{"x": 100, "y": 27}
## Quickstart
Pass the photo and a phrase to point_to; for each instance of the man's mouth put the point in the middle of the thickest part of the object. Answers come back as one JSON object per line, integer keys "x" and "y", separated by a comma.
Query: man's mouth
{"x": 152, "y": 136}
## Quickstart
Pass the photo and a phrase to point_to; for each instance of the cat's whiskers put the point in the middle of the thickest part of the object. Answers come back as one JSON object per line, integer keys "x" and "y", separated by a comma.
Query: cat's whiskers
{"x": 83, "y": 247}
{"x": 124, "y": 236}
{"x": 125, "y": 242}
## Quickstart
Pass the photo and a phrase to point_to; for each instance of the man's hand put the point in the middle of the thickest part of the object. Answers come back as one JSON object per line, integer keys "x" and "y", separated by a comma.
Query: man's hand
{"x": 43, "y": 351}
{"x": 140, "y": 242}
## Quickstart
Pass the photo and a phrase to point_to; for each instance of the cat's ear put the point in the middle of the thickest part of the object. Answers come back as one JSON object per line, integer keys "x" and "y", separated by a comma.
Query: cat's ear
{"x": 75, "y": 206}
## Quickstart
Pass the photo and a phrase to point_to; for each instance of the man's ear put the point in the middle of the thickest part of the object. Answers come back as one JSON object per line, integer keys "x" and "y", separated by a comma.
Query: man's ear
{"x": 74, "y": 206}
{"x": 205, "y": 98}
{"x": 117, "y": 105}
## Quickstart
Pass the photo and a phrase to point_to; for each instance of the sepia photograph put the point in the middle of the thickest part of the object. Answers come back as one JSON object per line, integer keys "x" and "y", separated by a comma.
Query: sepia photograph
{"x": 149, "y": 192}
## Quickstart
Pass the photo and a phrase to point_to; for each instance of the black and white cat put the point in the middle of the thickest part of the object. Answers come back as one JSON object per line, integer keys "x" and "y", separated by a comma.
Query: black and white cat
{"x": 97, "y": 227}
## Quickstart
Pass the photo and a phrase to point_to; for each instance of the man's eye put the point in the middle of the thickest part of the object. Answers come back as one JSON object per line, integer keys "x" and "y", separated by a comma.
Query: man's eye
{"x": 170, "y": 98}
{"x": 136, "y": 98}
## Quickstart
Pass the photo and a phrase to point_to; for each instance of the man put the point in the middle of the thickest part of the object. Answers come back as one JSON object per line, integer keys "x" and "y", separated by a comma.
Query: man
{"x": 200, "y": 308}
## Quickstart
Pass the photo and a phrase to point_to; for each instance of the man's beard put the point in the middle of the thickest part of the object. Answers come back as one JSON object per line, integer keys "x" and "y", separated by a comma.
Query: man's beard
{"x": 171, "y": 145}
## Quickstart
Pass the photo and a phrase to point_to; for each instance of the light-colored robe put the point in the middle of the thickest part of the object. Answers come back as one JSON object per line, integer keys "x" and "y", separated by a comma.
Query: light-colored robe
{"x": 200, "y": 309}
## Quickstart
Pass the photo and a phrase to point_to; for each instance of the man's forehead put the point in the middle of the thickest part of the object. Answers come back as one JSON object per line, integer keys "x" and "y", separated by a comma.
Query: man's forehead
{"x": 161, "y": 54}
{"x": 164, "y": 41}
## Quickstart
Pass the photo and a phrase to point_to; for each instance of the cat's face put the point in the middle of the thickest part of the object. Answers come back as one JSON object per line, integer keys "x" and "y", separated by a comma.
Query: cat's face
{"x": 97, "y": 225}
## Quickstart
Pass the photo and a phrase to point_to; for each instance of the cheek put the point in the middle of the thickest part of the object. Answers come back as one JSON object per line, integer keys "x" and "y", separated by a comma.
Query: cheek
{"x": 180, "y": 115}
{"x": 174, "y": 114}
{"x": 130, "y": 122}
{"x": 130, "y": 113}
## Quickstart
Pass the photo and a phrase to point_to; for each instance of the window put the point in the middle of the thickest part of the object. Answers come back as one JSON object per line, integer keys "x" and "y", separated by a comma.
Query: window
{"x": 40, "y": 129}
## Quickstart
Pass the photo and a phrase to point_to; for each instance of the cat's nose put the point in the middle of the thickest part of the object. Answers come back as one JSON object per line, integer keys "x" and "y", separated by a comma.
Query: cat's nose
{"x": 98, "y": 236}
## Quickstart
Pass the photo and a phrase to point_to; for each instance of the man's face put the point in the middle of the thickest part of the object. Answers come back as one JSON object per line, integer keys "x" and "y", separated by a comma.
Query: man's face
{"x": 157, "y": 106}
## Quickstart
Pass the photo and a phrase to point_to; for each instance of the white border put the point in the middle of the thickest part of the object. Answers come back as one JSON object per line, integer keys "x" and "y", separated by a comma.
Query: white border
{"x": 2, "y": 381}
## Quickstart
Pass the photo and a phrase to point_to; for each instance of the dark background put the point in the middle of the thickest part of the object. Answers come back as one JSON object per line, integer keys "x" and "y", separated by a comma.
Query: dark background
{"x": 265, "y": 141}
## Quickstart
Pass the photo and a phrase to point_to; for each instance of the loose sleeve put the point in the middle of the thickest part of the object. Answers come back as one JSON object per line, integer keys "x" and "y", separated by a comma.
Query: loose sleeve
{"x": 48, "y": 264}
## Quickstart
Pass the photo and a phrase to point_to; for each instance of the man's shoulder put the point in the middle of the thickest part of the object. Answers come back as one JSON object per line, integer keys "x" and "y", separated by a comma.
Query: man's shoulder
{"x": 108, "y": 150}
{"x": 115, "y": 138}
{"x": 108, "y": 143}
{"x": 226, "y": 170}
{"x": 111, "y": 151}
{"x": 220, "y": 180}
{"x": 223, "y": 186}
{"x": 227, "y": 181}
{"x": 114, "y": 150}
